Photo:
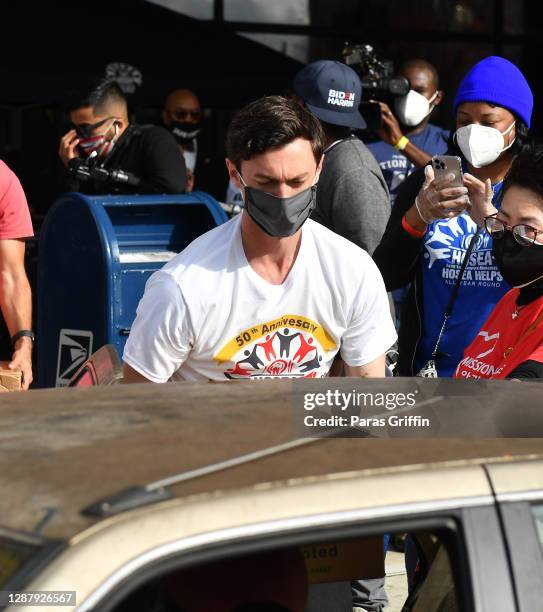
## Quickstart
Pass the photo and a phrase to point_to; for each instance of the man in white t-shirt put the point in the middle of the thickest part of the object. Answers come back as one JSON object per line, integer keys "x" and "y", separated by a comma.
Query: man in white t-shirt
{"x": 270, "y": 293}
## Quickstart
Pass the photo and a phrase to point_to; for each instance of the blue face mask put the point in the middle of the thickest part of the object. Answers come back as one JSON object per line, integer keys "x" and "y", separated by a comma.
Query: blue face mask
{"x": 279, "y": 217}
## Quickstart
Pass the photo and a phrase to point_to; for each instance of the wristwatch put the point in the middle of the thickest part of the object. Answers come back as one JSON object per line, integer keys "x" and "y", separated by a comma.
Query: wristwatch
{"x": 28, "y": 333}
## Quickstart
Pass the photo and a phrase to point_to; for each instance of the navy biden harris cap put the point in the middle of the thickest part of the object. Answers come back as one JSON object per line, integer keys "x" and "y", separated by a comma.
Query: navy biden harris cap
{"x": 332, "y": 91}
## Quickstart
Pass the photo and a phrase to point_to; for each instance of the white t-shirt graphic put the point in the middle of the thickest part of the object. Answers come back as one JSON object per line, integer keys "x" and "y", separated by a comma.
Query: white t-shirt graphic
{"x": 207, "y": 315}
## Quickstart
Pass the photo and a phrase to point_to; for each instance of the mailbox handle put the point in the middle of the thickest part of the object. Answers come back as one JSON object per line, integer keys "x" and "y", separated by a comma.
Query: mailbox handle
{"x": 124, "y": 331}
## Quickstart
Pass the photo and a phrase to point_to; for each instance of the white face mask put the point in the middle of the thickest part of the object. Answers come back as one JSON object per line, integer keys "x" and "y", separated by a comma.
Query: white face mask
{"x": 482, "y": 145}
{"x": 413, "y": 108}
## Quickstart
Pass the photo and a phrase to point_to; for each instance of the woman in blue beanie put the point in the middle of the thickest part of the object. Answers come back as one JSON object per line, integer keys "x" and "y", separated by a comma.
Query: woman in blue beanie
{"x": 430, "y": 229}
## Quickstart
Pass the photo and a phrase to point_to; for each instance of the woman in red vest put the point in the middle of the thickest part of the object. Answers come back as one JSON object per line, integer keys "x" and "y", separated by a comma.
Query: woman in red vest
{"x": 510, "y": 343}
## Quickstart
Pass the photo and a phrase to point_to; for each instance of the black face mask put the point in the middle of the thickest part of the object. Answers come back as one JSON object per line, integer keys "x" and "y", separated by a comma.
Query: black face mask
{"x": 183, "y": 131}
{"x": 519, "y": 266}
{"x": 279, "y": 217}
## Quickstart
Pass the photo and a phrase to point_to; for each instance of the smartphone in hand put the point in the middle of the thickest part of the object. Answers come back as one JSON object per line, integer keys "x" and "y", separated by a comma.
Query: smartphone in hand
{"x": 444, "y": 165}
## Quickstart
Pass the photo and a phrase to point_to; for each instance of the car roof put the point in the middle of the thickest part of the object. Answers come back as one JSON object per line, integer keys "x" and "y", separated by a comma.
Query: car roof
{"x": 65, "y": 449}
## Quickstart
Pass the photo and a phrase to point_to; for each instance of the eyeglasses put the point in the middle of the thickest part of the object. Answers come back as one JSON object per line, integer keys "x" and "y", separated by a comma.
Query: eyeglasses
{"x": 85, "y": 130}
{"x": 525, "y": 235}
{"x": 181, "y": 114}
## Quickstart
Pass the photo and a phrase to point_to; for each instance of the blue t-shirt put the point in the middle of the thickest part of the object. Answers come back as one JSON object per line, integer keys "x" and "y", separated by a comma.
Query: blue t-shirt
{"x": 481, "y": 288}
{"x": 395, "y": 166}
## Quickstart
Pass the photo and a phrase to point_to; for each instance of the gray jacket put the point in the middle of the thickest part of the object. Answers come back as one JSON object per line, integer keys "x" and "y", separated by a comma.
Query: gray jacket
{"x": 352, "y": 196}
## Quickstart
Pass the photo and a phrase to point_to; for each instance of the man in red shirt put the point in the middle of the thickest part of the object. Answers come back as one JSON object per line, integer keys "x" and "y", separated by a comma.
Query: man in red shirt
{"x": 15, "y": 294}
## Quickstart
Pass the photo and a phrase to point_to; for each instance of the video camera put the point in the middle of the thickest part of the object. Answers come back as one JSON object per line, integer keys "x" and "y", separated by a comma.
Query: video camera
{"x": 378, "y": 81}
{"x": 85, "y": 170}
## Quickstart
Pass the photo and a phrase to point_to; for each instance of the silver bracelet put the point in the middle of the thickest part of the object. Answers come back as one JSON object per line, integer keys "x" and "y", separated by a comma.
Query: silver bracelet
{"x": 418, "y": 210}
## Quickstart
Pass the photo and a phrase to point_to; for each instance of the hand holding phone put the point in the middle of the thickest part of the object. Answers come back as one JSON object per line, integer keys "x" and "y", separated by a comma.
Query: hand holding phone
{"x": 480, "y": 195}
{"x": 443, "y": 195}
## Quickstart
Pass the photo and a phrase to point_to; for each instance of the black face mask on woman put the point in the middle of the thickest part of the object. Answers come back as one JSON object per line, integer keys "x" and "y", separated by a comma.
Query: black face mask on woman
{"x": 519, "y": 265}
{"x": 279, "y": 217}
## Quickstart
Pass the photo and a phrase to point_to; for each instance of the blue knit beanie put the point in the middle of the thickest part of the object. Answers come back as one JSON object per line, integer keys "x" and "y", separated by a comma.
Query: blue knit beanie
{"x": 498, "y": 81}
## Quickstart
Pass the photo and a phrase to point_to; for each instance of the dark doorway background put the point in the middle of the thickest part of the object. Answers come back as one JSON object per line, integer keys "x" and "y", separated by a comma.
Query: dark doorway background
{"x": 47, "y": 48}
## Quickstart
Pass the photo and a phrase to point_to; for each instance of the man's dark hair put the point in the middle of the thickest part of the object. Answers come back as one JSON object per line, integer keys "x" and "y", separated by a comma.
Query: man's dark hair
{"x": 526, "y": 171}
{"x": 271, "y": 123}
{"x": 100, "y": 95}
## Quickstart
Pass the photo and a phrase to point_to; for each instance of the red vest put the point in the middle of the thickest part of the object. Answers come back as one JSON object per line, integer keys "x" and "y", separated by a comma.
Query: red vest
{"x": 507, "y": 338}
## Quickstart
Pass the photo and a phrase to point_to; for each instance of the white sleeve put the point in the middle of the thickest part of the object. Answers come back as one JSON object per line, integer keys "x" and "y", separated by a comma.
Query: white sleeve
{"x": 162, "y": 335}
{"x": 370, "y": 331}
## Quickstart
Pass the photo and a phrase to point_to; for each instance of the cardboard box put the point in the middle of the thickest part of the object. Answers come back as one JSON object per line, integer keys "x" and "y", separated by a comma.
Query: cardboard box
{"x": 345, "y": 560}
{"x": 10, "y": 380}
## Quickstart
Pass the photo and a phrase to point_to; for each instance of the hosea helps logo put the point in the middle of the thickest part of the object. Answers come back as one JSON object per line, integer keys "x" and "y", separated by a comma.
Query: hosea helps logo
{"x": 341, "y": 98}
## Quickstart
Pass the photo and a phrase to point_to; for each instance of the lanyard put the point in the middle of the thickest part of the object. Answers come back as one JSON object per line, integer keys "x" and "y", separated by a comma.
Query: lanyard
{"x": 454, "y": 294}
{"x": 448, "y": 311}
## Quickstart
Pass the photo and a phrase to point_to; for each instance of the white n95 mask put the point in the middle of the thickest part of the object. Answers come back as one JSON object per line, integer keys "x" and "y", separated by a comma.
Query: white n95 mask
{"x": 413, "y": 108}
{"x": 482, "y": 145}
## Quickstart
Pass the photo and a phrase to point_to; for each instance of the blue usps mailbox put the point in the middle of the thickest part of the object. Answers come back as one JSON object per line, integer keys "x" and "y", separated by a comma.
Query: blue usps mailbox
{"x": 95, "y": 256}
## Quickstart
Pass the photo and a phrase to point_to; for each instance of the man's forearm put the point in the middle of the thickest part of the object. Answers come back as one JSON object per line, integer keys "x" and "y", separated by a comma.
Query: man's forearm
{"x": 16, "y": 305}
{"x": 16, "y": 301}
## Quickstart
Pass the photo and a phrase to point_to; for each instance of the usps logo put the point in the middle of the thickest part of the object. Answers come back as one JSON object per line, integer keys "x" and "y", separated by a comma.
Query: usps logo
{"x": 74, "y": 348}
{"x": 341, "y": 98}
